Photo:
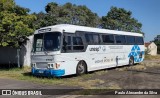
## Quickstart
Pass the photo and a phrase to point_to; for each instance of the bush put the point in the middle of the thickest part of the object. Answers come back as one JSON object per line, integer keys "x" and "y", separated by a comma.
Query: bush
{"x": 158, "y": 49}
{"x": 147, "y": 51}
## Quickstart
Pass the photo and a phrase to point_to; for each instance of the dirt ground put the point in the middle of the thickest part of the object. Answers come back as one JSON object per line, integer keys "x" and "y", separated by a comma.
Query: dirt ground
{"x": 141, "y": 76}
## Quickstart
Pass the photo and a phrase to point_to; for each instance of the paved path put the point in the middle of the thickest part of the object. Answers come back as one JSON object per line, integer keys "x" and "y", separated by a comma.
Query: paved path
{"x": 20, "y": 84}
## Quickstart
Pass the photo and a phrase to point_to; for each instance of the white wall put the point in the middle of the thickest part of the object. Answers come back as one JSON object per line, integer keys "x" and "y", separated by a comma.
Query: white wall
{"x": 153, "y": 49}
{"x": 28, "y": 46}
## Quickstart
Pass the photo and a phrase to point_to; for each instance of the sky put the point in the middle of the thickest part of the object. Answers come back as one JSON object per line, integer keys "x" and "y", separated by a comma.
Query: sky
{"x": 146, "y": 12}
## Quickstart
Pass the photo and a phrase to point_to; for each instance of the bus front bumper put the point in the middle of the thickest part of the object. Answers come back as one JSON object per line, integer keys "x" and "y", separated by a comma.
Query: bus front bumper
{"x": 48, "y": 72}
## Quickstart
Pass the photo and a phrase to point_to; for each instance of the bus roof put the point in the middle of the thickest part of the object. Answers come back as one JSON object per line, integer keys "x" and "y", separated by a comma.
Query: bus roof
{"x": 73, "y": 28}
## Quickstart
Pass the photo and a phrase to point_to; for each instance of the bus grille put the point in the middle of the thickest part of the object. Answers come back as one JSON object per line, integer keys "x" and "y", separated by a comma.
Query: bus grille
{"x": 41, "y": 65}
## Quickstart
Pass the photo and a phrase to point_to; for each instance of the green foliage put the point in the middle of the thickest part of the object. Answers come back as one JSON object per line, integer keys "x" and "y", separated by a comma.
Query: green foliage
{"x": 7, "y": 5}
{"x": 41, "y": 20}
{"x": 158, "y": 49}
{"x": 15, "y": 21}
{"x": 66, "y": 14}
{"x": 120, "y": 19}
{"x": 157, "y": 42}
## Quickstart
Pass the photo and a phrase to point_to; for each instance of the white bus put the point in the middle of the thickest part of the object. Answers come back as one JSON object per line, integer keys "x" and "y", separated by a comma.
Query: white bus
{"x": 65, "y": 49}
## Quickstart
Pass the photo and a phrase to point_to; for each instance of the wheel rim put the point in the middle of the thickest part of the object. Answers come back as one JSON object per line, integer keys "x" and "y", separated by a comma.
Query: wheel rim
{"x": 81, "y": 68}
{"x": 131, "y": 61}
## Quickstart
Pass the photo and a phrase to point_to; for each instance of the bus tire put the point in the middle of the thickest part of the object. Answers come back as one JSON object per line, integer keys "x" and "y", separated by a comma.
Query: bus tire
{"x": 131, "y": 61}
{"x": 81, "y": 68}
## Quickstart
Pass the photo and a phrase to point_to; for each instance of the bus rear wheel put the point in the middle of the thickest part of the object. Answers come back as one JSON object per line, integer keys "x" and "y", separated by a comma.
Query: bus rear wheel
{"x": 131, "y": 61}
{"x": 81, "y": 68}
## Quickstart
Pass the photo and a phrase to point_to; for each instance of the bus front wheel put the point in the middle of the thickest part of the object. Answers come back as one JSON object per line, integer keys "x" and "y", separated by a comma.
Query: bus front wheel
{"x": 81, "y": 68}
{"x": 131, "y": 61}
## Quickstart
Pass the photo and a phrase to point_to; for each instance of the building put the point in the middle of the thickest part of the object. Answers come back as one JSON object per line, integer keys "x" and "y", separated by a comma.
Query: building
{"x": 151, "y": 48}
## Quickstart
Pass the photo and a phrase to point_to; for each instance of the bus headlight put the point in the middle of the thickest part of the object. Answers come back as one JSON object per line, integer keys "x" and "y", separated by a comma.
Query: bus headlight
{"x": 34, "y": 65}
{"x": 53, "y": 65}
{"x": 50, "y": 65}
{"x": 57, "y": 65}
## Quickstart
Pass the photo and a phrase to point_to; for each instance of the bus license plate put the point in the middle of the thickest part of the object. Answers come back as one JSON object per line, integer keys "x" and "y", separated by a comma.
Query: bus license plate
{"x": 40, "y": 71}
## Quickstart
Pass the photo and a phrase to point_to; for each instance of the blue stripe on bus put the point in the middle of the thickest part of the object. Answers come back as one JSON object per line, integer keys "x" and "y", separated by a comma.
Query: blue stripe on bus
{"x": 48, "y": 72}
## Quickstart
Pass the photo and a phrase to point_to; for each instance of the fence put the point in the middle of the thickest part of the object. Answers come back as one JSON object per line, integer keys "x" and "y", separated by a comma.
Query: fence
{"x": 9, "y": 55}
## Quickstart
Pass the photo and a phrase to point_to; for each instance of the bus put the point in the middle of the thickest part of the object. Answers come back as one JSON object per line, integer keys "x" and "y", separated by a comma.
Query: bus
{"x": 66, "y": 49}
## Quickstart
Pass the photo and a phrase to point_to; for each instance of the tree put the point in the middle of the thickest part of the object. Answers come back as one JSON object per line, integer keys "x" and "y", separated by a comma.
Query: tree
{"x": 121, "y": 19}
{"x": 67, "y": 14}
{"x": 41, "y": 20}
{"x": 15, "y": 22}
{"x": 157, "y": 42}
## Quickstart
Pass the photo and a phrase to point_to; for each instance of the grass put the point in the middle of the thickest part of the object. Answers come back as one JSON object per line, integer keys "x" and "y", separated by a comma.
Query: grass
{"x": 87, "y": 81}
{"x": 140, "y": 66}
{"x": 83, "y": 81}
{"x": 151, "y": 57}
{"x": 24, "y": 74}
{"x": 101, "y": 72}
{"x": 88, "y": 84}
{"x": 143, "y": 65}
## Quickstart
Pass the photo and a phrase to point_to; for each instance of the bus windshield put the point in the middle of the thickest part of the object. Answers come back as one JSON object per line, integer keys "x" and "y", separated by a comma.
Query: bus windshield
{"x": 46, "y": 42}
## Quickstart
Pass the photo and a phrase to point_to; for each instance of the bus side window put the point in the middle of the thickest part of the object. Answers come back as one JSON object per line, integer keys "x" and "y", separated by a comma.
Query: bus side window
{"x": 120, "y": 39}
{"x": 108, "y": 38}
{"x": 66, "y": 43}
{"x": 69, "y": 43}
{"x": 96, "y": 38}
{"x": 92, "y": 38}
{"x": 89, "y": 38}
{"x": 130, "y": 40}
{"x": 139, "y": 40}
{"x": 78, "y": 43}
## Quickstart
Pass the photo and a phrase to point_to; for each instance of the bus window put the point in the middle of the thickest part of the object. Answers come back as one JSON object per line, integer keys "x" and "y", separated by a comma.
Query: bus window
{"x": 96, "y": 39}
{"x": 66, "y": 43}
{"x": 108, "y": 38}
{"x": 120, "y": 39}
{"x": 139, "y": 40}
{"x": 38, "y": 42}
{"x": 69, "y": 43}
{"x": 52, "y": 41}
{"x": 130, "y": 40}
{"x": 89, "y": 38}
{"x": 92, "y": 38}
{"x": 77, "y": 43}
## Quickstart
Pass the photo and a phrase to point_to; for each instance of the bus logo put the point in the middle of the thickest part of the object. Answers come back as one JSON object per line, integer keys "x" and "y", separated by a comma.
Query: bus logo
{"x": 94, "y": 49}
{"x": 135, "y": 52}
